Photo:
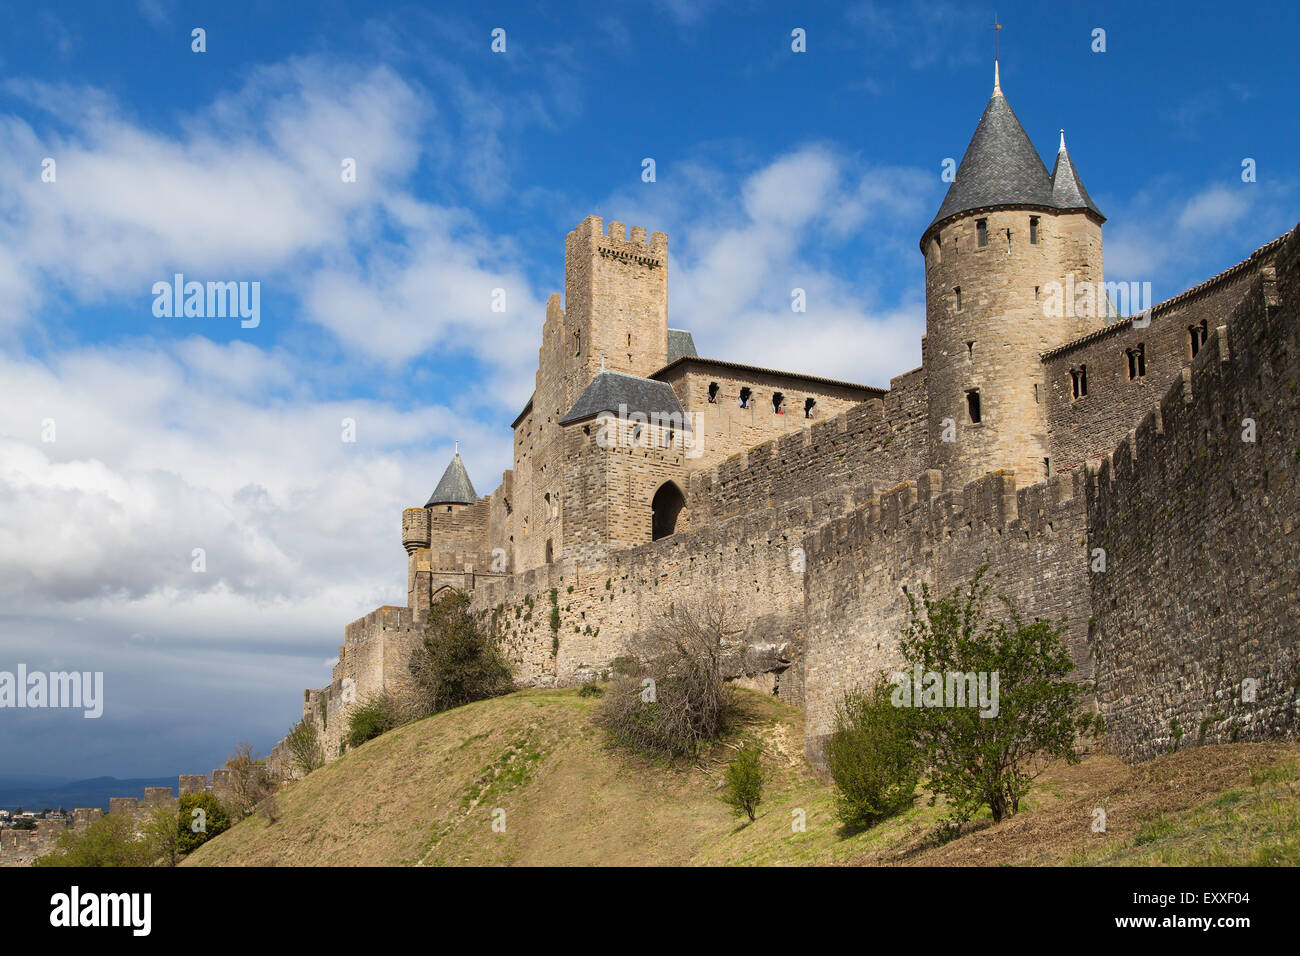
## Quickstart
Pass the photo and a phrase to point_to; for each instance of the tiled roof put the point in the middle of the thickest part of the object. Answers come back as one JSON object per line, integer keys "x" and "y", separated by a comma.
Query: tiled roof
{"x": 454, "y": 488}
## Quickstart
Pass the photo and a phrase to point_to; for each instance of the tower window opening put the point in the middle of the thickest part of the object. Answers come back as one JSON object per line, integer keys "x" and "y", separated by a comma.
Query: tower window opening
{"x": 629, "y": 338}
{"x": 1008, "y": 240}
{"x": 1036, "y": 398}
{"x": 808, "y": 405}
{"x": 970, "y": 349}
{"x": 1035, "y": 293}
{"x": 713, "y": 393}
{"x": 577, "y": 343}
{"x": 957, "y": 292}
{"x": 973, "y": 405}
{"x": 778, "y": 400}
{"x": 982, "y": 232}
{"x": 1047, "y": 467}
{"x": 1137, "y": 361}
{"x": 1033, "y": 235}
{"x": 1079, "y": 381}
{"x": 550, "y": 551}
{"x": 1198, "y": 335}
{"x": 745, "y": 393}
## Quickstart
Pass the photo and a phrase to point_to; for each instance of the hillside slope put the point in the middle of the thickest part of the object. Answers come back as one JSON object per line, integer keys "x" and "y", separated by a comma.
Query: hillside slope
{"x": 425, "y": 794}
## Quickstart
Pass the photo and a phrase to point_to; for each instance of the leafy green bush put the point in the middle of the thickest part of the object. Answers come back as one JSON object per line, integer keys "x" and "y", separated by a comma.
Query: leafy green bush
{"x": 872, "y": 756}
{"x": 109, "y": 841}
{"x": 591, "y": 689}
{"x": 742, "y": 787}
{"x": 374, "y": 716}
{"x": 458, "y": 661}
{"x": 199, "y": 818}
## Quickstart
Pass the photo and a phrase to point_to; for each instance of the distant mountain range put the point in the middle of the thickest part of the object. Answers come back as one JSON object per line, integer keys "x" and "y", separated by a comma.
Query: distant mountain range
{"x": 32, "y": 794}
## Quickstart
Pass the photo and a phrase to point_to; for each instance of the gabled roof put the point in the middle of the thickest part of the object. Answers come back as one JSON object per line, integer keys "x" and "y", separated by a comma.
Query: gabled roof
{"x": 613, "y": 391}
{"x": 1067, "y": 187}
{"x": 454, "y": 488}
{"x": 680, "y": 342}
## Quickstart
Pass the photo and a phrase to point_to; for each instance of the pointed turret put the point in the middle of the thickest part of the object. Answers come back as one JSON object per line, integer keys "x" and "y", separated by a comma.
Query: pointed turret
{"x": 1067, "y": 187}
{"x": 1000, "y": 167}
{"x": 454, "y": 488}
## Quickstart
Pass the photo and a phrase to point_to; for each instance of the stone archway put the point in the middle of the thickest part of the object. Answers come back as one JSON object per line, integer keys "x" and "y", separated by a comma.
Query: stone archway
{"x": 666, "y": 507}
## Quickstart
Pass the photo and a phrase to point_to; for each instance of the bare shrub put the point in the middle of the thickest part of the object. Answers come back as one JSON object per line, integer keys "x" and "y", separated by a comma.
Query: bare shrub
{"x": 679, "y": 703}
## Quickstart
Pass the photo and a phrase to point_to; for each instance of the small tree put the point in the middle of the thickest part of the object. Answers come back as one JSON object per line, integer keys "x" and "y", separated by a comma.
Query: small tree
{"x": 250, "y": 781}
{"x": 305, "y": 747}
{"x": 458, "y": 661}
{"x": 163, "y": 835}
{"x": 680, "y": 702}
{"x": 977, "y": 758}
{"x": 872, "y": 756}
{"x": 199, "y": 818}
{"x": 742, "y": 789}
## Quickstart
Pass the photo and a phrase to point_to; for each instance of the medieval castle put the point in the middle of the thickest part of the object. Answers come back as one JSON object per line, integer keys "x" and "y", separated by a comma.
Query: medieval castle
{"x": 1136, "y": 477}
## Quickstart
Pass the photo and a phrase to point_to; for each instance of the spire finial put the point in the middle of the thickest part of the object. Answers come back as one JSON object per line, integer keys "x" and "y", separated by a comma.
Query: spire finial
{"x": 997, "y": 83}
{"x": 1062, "y": 149}
{"x": 457, "y": 448}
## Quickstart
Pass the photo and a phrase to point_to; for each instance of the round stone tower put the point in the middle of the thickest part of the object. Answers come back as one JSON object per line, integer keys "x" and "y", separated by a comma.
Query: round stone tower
{"x": 1013, "y": 267}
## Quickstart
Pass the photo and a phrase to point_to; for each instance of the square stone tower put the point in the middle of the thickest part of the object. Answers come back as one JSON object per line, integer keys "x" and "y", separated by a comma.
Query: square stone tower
{"x": 615, "y": 303}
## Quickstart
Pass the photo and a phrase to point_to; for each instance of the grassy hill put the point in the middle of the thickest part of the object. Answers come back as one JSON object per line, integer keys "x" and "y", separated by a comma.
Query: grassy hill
{"x": 425, "y": 793}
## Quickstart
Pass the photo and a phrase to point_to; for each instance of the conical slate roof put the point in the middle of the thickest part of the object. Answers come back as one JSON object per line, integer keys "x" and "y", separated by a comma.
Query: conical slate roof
{"x": 454, "y": 488}
{"x": 1000, "y": 168}
{"x": 1067, "y": 187}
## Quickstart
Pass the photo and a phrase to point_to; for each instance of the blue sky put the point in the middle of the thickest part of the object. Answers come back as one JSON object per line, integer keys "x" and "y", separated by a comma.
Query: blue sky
{"x": 774, "y": 170}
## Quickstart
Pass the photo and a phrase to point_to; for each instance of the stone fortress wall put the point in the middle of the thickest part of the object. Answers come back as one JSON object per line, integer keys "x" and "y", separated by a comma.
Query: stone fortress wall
{"x": 816, "y": 533}
{"x": 20, "y": 847}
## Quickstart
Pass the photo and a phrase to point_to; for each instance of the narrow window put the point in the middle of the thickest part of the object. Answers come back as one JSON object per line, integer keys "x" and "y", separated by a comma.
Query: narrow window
{"x": 550, "y": 551}
{"x": 982, "y": 232}
{"x": 744, "y": 397}
{"x": 1036, "y": 399}
{"x": 957, "y": 292}
{"x": 1047, "y": 467}
{"x": 1193, "y": 336}
{"x": 1033, "y": 232}
{"x": 808, "y": 405}
{"x": 577, "y": 343}
{"x": 629, "y": 338}
{"x": 1137, "y": 361}
{"x": 1008, "y": 240}
{"x": 973, "y": 405}
{"x": 1079, "y": 381}
{"x": 970, "y": 349}
{"x": 713, "y": 393}
{"x": 777, "y": 401}
{"x": 448, "y": 509}
{"x": 1035, "y": 293}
